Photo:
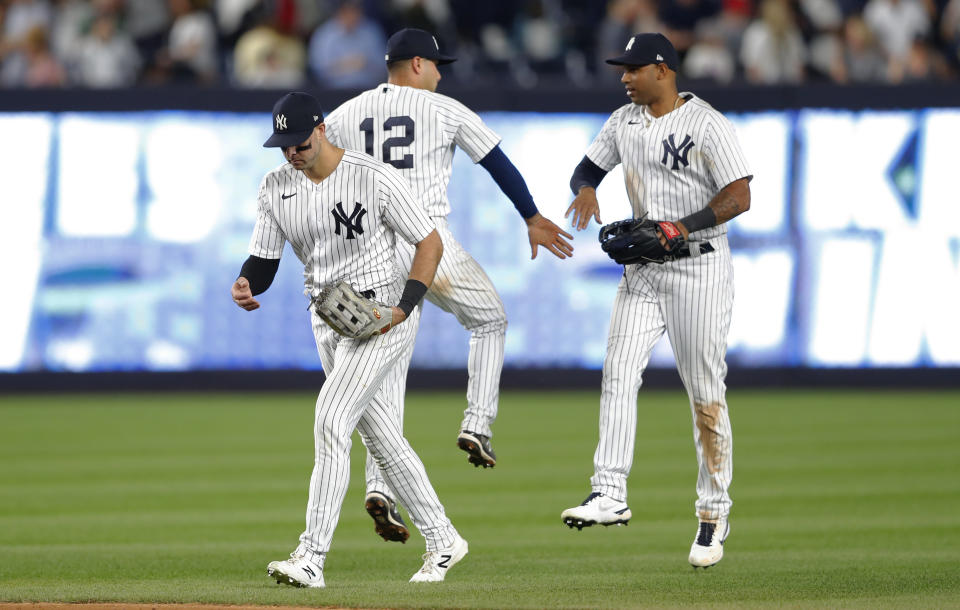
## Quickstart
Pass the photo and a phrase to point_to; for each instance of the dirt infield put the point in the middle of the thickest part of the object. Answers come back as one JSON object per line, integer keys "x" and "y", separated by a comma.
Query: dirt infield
{"x": 123, "y": 606}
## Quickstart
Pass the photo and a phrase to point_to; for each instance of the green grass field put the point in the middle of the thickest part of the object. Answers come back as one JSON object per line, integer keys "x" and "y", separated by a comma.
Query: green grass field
{"x": 841, "y": 499}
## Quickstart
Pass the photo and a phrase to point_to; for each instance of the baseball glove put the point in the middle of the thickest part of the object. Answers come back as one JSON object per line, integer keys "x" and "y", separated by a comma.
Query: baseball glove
{"x": 351, "y": 314}
{"x": 637, "y": 241}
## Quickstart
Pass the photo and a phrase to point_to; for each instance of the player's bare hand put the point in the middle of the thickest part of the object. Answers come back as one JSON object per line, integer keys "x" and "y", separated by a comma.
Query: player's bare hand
{"x": 583, "y": 207}
{"x": 398, "y": 317}
{"x": 543, "y": 232}
{"x": 242, "y": 295}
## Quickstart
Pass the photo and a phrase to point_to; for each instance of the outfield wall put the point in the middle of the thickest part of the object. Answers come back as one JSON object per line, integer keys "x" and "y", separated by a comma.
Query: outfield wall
{"x": 130, "y": 215}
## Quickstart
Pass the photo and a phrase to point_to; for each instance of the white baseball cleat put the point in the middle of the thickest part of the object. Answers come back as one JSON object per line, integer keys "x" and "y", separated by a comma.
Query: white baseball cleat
{"x": 597, "y": 509}
{"x": 707, "y": 548}
{"x": 436, "y": 563}
{"x": 297, "y": 571}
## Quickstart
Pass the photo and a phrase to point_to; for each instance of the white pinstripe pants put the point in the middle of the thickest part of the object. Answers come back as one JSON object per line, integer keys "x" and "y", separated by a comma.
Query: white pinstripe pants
{"x": 691, "y": 300}
{"x": 461, "y": 287}
{"x": 351, "y": 398}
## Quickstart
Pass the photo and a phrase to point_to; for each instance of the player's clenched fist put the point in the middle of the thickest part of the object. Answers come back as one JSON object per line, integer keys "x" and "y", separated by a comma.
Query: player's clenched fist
{"x": 242, "y": 296}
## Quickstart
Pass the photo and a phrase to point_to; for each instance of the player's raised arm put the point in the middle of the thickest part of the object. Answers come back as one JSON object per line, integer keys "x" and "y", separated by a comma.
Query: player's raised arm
{"x": 540, "y": 230}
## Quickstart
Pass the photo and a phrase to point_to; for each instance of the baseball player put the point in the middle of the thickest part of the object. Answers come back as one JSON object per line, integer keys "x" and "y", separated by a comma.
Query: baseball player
{"x": 684, "y": 169}
{"x": 405, "y": 123}
{"x": 342, "y": 212}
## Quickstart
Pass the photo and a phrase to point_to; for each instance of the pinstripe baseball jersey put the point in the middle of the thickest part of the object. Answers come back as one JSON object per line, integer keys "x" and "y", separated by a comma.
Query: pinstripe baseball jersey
{"x": 347, "y": 223}
{"x": 415, "y": 131}
{"x": 675, "y": 164}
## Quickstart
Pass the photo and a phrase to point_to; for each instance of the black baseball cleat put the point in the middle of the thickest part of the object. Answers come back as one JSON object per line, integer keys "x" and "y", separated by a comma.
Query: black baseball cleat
{"x": 387, "y": 520}
{"x": 478, "y": 449}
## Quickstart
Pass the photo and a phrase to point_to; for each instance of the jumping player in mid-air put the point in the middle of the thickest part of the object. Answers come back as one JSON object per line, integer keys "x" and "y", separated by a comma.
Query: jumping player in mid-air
{"x": 682, "y": 163}
{"x": 342, "y": 211}
{"x": 405, "y": 123}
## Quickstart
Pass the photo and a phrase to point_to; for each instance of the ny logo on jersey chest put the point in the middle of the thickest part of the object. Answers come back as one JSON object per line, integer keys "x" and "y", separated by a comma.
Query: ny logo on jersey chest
{"x": 353, "y": 223}
{"x": 679, "y": 153}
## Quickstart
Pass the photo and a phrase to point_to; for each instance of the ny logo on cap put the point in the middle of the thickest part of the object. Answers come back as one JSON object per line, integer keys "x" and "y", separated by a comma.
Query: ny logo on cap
{"x": 281, "y": 122}
{"x": 659, "y": 57}
{"x": 630, "y": 44}
{"x": 435, "y": 42}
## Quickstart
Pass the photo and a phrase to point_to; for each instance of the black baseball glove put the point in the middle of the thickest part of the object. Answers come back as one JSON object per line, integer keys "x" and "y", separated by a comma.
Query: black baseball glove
{"x": 637, "y": 242}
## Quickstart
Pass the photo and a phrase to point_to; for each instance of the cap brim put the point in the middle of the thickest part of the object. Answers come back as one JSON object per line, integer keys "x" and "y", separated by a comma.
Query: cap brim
{"x": 441, "y": 60}
{"x": 283, "y": 140}
{"x": 623, "y": 60}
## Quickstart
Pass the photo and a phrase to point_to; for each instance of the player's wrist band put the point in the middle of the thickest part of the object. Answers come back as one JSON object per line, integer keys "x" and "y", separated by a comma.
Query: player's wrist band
{"x": 704, "y": 219}
{"x": 412, "y": 295}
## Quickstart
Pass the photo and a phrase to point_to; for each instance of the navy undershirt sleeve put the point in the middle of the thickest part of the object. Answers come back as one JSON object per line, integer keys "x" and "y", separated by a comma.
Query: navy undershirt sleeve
{"x": 587, "y": 173}
{"x": 508, "y": 178}
{"x": 259, "y": 272}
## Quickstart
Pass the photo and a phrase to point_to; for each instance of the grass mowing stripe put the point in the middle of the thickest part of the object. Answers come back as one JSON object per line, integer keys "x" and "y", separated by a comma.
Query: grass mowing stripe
{"x": 841, "y": 499}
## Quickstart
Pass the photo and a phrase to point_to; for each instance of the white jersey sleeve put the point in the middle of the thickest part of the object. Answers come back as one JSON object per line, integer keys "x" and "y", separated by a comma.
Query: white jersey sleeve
{"x": 400, "y": 208}
{"x": 721, "y": 149}
{"x": 470, "y": 133}
{"x": 268, "y": 238}
{"x": 332, "y": 122}
{"x": 604, "y": 150}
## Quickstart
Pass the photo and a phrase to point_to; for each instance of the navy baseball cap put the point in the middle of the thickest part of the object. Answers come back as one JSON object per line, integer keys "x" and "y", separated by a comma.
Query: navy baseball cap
{"x": 411, "y": 42}
{"x": 643, "y": 49}
{"x": 294, "y": 117}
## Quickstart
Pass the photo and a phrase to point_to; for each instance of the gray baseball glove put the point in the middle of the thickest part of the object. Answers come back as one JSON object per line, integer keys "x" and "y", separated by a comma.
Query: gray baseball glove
{"x": 351, "y": 314}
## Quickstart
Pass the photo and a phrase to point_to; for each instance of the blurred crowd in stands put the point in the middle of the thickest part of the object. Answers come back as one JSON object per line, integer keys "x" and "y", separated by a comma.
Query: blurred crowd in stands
{"x": 340, "y": 43}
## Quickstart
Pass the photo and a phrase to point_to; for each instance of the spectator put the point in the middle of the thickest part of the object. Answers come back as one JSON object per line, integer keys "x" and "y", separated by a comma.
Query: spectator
{"x": 863, "y": 61}
{"x": 107, "y": 57}
{"x": 147, "y": 22}
{"x": 538, "y": 32}
{"x": 709, "y": 58}
{"x": 773, "y": 50}
{"x": 190, "y": 55}
{"x": 22, "y": 16}
{"x": 923, "y": 64}
{"x": 347, "y": 51}
{"x": 42, "y": 68}
{"x": 681, "y": 18}
{"x": 71, "y": 19}
{"x": 822, "y": 15}
{"x": 827, "y": 56}
{"x": 17, "y": 19}
{"x": 824, "y": 23}
{"x": 950, "y": 30}
{"x": 615, "y": 30}
{"x": 429, "y": 15}
{"x": 896, "y": 24}
{"x": 269, "y": 58}
{"x": 731, "y": 22}
{"x": 236, "y": 16}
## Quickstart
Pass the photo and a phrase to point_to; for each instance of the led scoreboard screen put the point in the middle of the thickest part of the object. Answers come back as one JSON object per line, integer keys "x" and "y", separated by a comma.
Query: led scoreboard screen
{"x": 124, "y": 231}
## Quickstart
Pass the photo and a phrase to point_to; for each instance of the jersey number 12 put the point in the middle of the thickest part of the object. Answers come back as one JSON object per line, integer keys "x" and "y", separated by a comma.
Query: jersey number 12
{"x": 405, "y": 161}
